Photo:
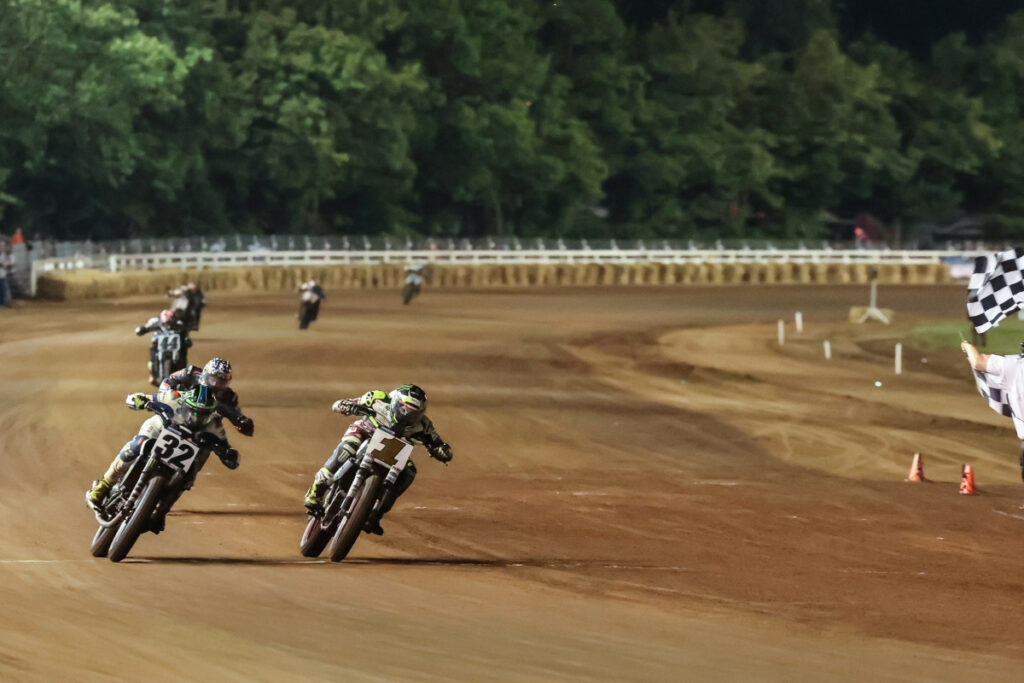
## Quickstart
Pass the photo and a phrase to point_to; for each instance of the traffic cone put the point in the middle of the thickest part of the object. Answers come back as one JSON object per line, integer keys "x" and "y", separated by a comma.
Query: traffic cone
{"x": 967, "y": 481}
{"x": 18, "y": 238}
{"x": 916, "y": 469}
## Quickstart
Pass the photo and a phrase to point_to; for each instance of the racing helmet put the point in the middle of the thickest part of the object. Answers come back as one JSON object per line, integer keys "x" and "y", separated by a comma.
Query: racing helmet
{"x": 216, "y": 373}
{"x": 166, "y": 316}
{"x": 198, "y": 407}
{"x": 408, "y": 404}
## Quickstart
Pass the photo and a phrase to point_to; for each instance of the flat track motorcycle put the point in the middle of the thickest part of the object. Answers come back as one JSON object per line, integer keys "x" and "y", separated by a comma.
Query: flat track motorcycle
{"x": 166, "y": 468}
{"x": 355, "y": 493}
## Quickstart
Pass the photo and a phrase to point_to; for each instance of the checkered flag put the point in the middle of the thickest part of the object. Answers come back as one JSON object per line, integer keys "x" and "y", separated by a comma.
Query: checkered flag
{"x": 997, "y": 401}
{"x": 996, "y": 398}
{"x": 996, "y": 289}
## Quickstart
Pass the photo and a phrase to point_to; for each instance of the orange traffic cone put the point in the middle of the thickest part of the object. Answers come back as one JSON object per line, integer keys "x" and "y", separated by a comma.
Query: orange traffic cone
{"x": 916, "y": 469}
{"x": 18, "y": 238}
{"x": 967, "y": 481}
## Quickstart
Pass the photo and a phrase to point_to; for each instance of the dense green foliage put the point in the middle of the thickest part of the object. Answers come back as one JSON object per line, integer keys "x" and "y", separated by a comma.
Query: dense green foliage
{"x": 471, "y": 117}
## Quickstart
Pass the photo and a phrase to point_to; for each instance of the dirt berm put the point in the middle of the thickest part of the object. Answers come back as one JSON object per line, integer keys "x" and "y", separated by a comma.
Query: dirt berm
{"x": 92, "y": 284}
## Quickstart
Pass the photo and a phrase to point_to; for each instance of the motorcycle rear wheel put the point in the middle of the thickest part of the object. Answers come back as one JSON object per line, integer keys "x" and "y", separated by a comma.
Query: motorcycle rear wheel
{"x": 131, "y": 529}
{"x": 351, "y": 526}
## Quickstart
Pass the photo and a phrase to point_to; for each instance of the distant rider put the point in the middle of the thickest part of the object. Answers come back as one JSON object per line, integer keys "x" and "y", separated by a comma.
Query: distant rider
{"x": 216, "y": 375}
{"x": 309, "y": 307}
{"x": 404, "y": 412}
{"x": 194, "y": 303}
{"x": 167, "y": 321}
{"x": 195, "y": 410}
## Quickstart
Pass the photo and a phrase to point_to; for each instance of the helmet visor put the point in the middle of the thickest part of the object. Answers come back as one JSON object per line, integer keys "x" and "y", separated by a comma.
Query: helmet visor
{"x": 194, "y": 416}
{"x": 405, "y": 413}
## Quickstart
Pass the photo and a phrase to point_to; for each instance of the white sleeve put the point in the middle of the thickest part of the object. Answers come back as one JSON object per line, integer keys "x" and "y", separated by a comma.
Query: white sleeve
{"x": 996, "y": 369}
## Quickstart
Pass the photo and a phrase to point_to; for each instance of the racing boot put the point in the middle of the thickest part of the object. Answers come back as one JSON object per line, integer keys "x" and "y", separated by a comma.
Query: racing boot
{"x": 100, "y": 489}
{"x": 320, "y": 483}
{"x": 98, "y": 493}
{"x": 372, "y": 523}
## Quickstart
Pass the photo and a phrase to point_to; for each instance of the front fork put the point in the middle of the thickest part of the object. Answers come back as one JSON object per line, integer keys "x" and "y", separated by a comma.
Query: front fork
{"x": 365, "y": 469}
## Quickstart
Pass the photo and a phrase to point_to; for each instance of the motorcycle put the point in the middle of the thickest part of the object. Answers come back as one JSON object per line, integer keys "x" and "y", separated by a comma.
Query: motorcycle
{"x": 187, "y": 307}
{"x": 354, "y": 493}
{"x": 165, "y": 469}
{"x": 166, "y": 354}
{"x": 413, "y": 285}
{"x": 309, "y": 309}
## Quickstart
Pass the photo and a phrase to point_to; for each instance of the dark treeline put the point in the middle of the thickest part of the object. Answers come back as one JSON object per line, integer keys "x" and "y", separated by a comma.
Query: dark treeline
{"x": 736, "y": 118}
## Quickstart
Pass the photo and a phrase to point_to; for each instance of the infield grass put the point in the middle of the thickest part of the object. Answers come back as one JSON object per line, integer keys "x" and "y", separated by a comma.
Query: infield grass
{"x": 1004, "y": 339}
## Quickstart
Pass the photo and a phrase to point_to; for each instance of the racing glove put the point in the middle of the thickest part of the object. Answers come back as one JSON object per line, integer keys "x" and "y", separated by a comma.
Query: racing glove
{"x": 139, "y": 331}
{"x": 136, "y": 401}
{"x": 346, "y": 406}
{"x": 245, "y": 425}
{"x": 440, "y": 451}
{"x": 229, "y": 457}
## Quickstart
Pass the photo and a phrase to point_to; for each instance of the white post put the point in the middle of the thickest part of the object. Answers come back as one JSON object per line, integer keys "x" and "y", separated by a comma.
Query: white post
{"x": 899, "y": 359}
{"x": 799, "y": 322}
{"x": 828, "y": 350}
{"x": 782, "y": 333}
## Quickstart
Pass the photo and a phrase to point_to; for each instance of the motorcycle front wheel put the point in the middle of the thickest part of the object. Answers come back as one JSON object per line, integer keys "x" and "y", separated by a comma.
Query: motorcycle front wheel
{"x": 131, "y": 529}
{"x": 352, "y": 525}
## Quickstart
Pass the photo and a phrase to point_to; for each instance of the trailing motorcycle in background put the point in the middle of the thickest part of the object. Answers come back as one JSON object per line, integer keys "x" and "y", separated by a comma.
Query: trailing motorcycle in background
{"x": 415, "y": 276}
{"x": 167, "y": 355}
{"x": 166, "y": 468}
{"x": 309, "y": 305}
{"x": 354, "y": 493}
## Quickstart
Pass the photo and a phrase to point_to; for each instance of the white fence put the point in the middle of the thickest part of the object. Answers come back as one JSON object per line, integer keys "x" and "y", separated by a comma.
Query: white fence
{"x": 241, "y": 259}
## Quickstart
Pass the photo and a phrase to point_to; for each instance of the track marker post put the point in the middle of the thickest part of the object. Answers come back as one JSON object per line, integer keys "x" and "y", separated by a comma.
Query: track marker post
{"x": 898, "y": 359}
{"x": 782, "y": 332}
{"x": 828, "y": 350}
{"x": 799, "y": 319}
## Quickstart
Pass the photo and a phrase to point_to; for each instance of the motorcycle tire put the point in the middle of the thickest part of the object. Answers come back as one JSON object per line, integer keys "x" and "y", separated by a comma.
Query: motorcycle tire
{"x": 314, "y": 538}
{"x": 101, "y": 540}
{"x": 135, "y": 525}
{"x": 408, "y": 292}
{"x": 351, "y": 526}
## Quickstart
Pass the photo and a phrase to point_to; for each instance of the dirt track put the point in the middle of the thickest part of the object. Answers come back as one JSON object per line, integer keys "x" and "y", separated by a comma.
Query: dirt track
{"x": 645, "y": 487}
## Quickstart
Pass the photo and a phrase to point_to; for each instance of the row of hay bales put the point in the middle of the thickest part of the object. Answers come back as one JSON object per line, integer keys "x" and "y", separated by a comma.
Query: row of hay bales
{"x": 89, "y": 284}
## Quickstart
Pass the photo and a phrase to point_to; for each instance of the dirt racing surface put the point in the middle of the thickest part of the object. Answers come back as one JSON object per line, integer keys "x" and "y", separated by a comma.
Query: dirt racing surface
{"x": 645, "y": 487}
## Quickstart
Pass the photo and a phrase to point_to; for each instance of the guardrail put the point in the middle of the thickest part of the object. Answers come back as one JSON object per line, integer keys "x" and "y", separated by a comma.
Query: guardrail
{"x": 242, "y": 259}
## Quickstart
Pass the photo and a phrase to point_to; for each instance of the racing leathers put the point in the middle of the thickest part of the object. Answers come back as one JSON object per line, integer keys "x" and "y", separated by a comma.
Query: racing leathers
{"x": 375, "y": 408}
{"x": 227, "y": 400}
{"x": 142, "y": 443}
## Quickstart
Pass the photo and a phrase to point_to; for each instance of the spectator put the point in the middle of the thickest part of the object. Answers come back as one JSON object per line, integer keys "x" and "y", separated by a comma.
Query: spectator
{"x": 6, "y": 271}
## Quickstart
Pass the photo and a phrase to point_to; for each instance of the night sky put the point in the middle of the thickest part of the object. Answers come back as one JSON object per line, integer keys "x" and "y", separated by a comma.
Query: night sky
{"x": 913, "y": 25}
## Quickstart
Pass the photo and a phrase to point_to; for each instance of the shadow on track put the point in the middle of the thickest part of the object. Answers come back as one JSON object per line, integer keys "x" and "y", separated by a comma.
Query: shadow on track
{"x": 239, "y": 512}
{"x": 490, "y": 562}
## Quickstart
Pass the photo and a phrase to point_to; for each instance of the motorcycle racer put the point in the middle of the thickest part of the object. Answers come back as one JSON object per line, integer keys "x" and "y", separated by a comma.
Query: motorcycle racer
{"x": 403, "y": 411}
{"x": 216, "y": 375}
{"x": 195, "y": 410}
{"x": 167, "y": 321}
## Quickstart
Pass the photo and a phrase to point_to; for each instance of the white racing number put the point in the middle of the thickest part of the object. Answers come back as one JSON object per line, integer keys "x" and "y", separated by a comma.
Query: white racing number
{"x": 389, "y": 450}
{"x": 174, "y": 451}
